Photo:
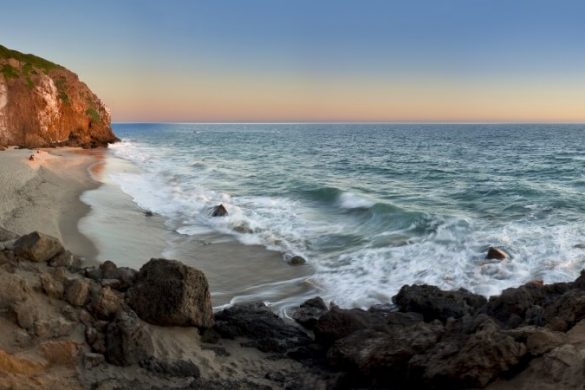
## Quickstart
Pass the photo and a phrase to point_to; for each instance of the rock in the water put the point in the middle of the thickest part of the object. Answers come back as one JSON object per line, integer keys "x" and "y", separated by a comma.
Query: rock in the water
{"x": 127, "y": 341}
{"x": 494, "y": 253}
{"x": 434, "y": 303}
{"x": 219, "y": 211}
{"x": 167, "y": 292}
{"x": 267, "y": 331}
{"x": 77, "y": 292}
{"x": 37, "y": 247}
{"x": 309, "y": 312}
{"x": 297, "y": 260}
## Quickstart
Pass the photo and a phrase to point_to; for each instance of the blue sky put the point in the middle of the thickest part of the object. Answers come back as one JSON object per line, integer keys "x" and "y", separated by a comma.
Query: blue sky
{"x": 434, "y": 60}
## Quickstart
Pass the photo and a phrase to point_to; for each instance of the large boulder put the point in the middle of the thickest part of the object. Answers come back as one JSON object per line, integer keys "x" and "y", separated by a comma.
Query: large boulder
{"x": 167, "y": 292}
{"x": 37, "y": 247}
{"x": 434, "y": 303}
{"x": 265, "y": 330}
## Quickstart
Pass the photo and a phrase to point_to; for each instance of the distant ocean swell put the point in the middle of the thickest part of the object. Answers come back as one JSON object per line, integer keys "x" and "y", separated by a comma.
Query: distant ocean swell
{"x": 368, "y": 231}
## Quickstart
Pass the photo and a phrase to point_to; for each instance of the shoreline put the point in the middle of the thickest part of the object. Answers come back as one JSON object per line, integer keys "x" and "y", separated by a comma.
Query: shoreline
{"x": 44, "y": 194}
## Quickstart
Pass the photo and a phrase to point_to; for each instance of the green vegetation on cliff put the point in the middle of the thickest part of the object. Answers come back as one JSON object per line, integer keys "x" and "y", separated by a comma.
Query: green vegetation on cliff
{"x": 28, "y": 59}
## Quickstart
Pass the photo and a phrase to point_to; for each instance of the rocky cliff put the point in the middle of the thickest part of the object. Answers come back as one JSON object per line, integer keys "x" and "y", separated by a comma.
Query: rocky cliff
{"x": 43, "y": 104}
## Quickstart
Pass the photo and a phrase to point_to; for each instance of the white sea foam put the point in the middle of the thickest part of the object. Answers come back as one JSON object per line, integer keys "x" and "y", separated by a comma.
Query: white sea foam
{"x": 450, "y": 255}
{"x": 349, "y": 200}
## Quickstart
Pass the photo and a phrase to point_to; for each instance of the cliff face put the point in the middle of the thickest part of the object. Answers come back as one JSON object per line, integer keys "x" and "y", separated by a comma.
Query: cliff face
{"x": 43, "y": 104}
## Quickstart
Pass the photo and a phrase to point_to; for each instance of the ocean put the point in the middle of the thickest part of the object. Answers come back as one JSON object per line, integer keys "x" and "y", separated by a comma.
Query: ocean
{"x": 371, "y": 207}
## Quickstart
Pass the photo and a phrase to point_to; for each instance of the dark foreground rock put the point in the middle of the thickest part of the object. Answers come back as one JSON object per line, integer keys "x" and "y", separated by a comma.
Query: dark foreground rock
{"x": 261, "y": 327}
{"x": 113, "y": 327}
{"x": 167, "y": 292}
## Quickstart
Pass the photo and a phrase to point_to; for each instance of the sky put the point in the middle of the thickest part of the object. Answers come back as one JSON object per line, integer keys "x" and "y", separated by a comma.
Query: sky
{"x": 316, "y": 60}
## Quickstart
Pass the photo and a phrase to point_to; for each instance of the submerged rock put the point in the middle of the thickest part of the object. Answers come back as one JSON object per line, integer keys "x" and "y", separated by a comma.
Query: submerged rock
{"x": 167, "y": 292}
{"x": 297, "y": 260}
{"x": 37, "y": 247}
{"x": 219, "y": 211}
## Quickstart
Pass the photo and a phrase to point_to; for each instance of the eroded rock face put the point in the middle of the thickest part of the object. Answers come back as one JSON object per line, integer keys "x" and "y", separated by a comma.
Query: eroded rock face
{"x": 167, "y": 292}
{"x": 44, "y": 104}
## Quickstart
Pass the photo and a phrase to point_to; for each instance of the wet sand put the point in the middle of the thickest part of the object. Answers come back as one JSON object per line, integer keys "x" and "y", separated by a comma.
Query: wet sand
{"x": 125, "y": 234}
{"x": 43, "y": 194}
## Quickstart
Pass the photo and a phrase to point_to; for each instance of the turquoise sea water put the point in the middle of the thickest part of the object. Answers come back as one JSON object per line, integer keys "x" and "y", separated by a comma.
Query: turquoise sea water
{"x": 372, "y": 207}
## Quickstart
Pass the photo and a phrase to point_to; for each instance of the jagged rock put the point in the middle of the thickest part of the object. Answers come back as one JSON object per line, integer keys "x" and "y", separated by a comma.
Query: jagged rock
{"x": 176, "y": 368}
{"x": 256, "y": 322}
{"x": 77, "y": 292}
{"x": 167, "y": 292}
{"x": 219, "y": 211}
{"x": 309, "y": 312}
{"x": 434, "y": 303}
{"x": 106, "y": 303}
{"x": 568, "y": 308}
{"x": 297, "y": 260}
{"x": 380, "y": 358}
{"x": 52, "y": 287}
{"x": 37, "y": 247}
{"x": 127, "y": 341}
{"x": 494, "y": 253}
{"x": 472, "y": 361}
{"x": 338, "y": 323}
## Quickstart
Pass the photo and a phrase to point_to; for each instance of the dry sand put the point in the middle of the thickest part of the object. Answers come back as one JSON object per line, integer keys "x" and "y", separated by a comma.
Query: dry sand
{"x": 43, "y": 194}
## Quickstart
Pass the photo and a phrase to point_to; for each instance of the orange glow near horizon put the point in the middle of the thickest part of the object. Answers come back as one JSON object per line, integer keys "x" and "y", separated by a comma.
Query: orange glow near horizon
{"x": 222, "y": 97}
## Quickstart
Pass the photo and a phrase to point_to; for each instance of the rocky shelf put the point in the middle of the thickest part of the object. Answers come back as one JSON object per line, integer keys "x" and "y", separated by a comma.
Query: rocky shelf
{"x": 108, "y": 327}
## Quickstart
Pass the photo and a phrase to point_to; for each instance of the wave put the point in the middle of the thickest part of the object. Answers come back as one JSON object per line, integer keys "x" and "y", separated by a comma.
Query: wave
{"x": 363, "y": 248}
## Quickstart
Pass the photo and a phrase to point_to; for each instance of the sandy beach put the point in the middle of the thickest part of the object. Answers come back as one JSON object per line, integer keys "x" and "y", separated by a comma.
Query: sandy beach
{"x": 43, "y": 194}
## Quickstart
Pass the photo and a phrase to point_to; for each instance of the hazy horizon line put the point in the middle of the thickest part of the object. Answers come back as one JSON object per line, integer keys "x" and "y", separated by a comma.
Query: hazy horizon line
{"x": 350, "y": 122}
